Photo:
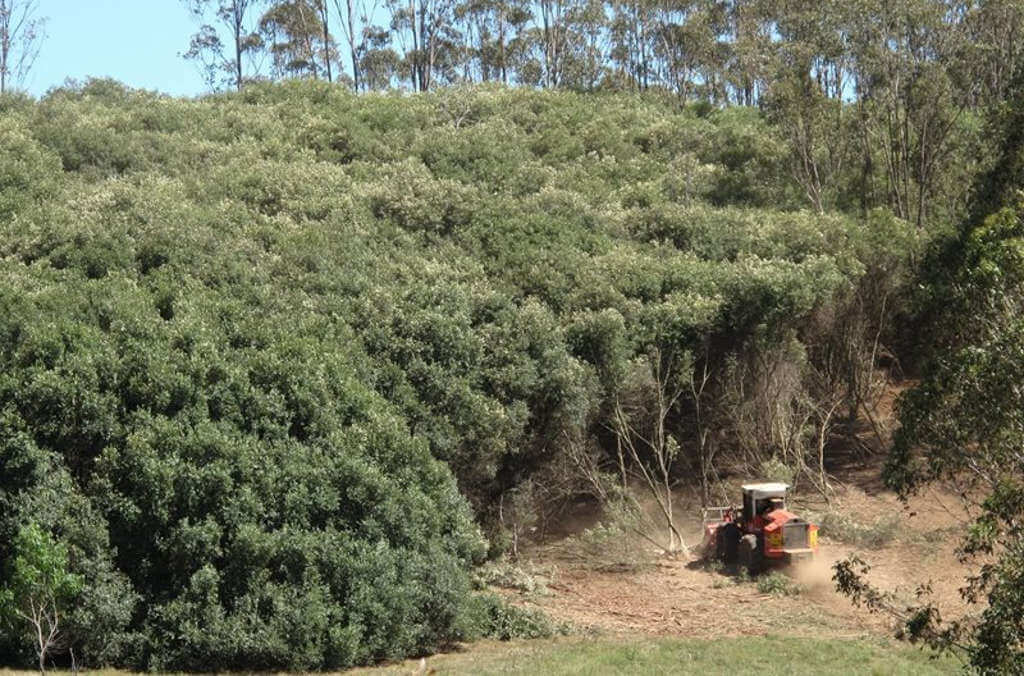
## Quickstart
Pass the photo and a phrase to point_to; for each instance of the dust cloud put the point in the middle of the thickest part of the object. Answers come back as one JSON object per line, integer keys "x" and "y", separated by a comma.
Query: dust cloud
{"x": 815, "y": 575}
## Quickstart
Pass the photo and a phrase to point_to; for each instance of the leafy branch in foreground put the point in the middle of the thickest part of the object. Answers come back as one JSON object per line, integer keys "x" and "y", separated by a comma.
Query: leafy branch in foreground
{"x": 921, "y": 623}
{"x": 963, "y": 425}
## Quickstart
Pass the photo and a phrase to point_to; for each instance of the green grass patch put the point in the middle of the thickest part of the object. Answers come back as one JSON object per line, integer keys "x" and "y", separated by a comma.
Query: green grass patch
{"x": 765, "y": 656}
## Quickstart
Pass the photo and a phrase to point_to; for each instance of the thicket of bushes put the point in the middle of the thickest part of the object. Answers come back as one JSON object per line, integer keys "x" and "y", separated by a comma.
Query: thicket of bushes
{"x": 264, "y": 356}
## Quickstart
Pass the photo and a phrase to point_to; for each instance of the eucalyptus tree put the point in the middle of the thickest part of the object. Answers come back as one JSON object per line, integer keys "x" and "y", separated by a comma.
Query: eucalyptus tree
{"x": 587, "y": 40}
{"x": 993, "y": 47}
{"x": 702, "y": 50}
{"x": 328, "y": 48}
{"x": 232, "y": 60}
{"x": 752, "y": 29}
{"x": 21, "y": 36}
{"x": 490, "y": 27}
{"x": 378, "y": 62}
{"x": 363, "y": 39}
{"x": 550, "y": 36}
{"x": 906, "y": 78}
{"x": 566, "y": 45}
{"x": 811, "y": 64}
{"x": 427, "y": 37}
{"x": 961, "y": 425}
{"x": 686, "y": 43}
{"x": 633, "y": 29}
{"x": 297, "y": 38}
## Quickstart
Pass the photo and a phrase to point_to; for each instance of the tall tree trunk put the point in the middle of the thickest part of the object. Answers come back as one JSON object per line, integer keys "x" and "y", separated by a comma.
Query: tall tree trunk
{"x": 501, "y": 45}
{"x": 5, "y": 43}
{"x": 307, "y": 39}
{"x": 237, "y": 19}
{"x": 238, "y": 60}
{"x": 414, "y": 67}
{"x": 352, "y": 44}
{"x": 325, "y": 16}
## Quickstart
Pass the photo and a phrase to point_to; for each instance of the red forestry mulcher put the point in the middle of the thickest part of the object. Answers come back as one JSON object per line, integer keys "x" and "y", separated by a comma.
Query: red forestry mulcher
{"x": 760, "y": 533}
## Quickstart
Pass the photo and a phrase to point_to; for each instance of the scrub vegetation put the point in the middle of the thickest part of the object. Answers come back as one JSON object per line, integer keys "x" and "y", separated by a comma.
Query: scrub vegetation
{"x": 279, "y": 367}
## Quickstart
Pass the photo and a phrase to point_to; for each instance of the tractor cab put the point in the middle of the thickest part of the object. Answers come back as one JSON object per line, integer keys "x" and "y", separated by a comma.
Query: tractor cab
{"x": 760, "y": 499}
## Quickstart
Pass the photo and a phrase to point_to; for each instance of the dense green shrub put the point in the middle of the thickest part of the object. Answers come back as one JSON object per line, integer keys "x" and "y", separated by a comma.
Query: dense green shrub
{"x": 241, "y": 478}
{"x": 261, "y": 354}
{"x": 29, "y": 173}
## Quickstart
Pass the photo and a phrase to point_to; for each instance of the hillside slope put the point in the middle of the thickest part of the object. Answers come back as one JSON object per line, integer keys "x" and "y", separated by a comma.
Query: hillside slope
{"x": 264, "y": 356}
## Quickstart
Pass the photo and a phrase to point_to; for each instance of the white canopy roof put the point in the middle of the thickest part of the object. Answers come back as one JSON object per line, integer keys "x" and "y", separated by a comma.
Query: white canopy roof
{"x": 766, "y": 490}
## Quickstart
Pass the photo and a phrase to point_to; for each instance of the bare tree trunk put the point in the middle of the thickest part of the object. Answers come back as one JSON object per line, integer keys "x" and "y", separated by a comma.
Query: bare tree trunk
{"x": 348, "y": 24}
{"x": 706, "y": 452}
{"x": 826, "y": 423}
{"x": 545, "y": 15}
{"x": 659, "y": 447}
{"x": 37, "y": 620}
{"x": 5, "y": 43}
{"x": 352, "y": 46}
{"x": 431, "y": 57}
{"x": 501, "y": 46}
{"x": 238, "y": 49}
{"x": 414, "y": 70}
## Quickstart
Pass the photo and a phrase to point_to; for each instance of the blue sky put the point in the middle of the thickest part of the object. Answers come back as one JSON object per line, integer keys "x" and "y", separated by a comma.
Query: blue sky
{"x": 134, "y": 41}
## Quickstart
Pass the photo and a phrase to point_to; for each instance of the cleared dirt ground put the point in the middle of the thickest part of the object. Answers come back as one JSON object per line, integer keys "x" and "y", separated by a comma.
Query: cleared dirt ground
{"x": 677, "y": 597}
